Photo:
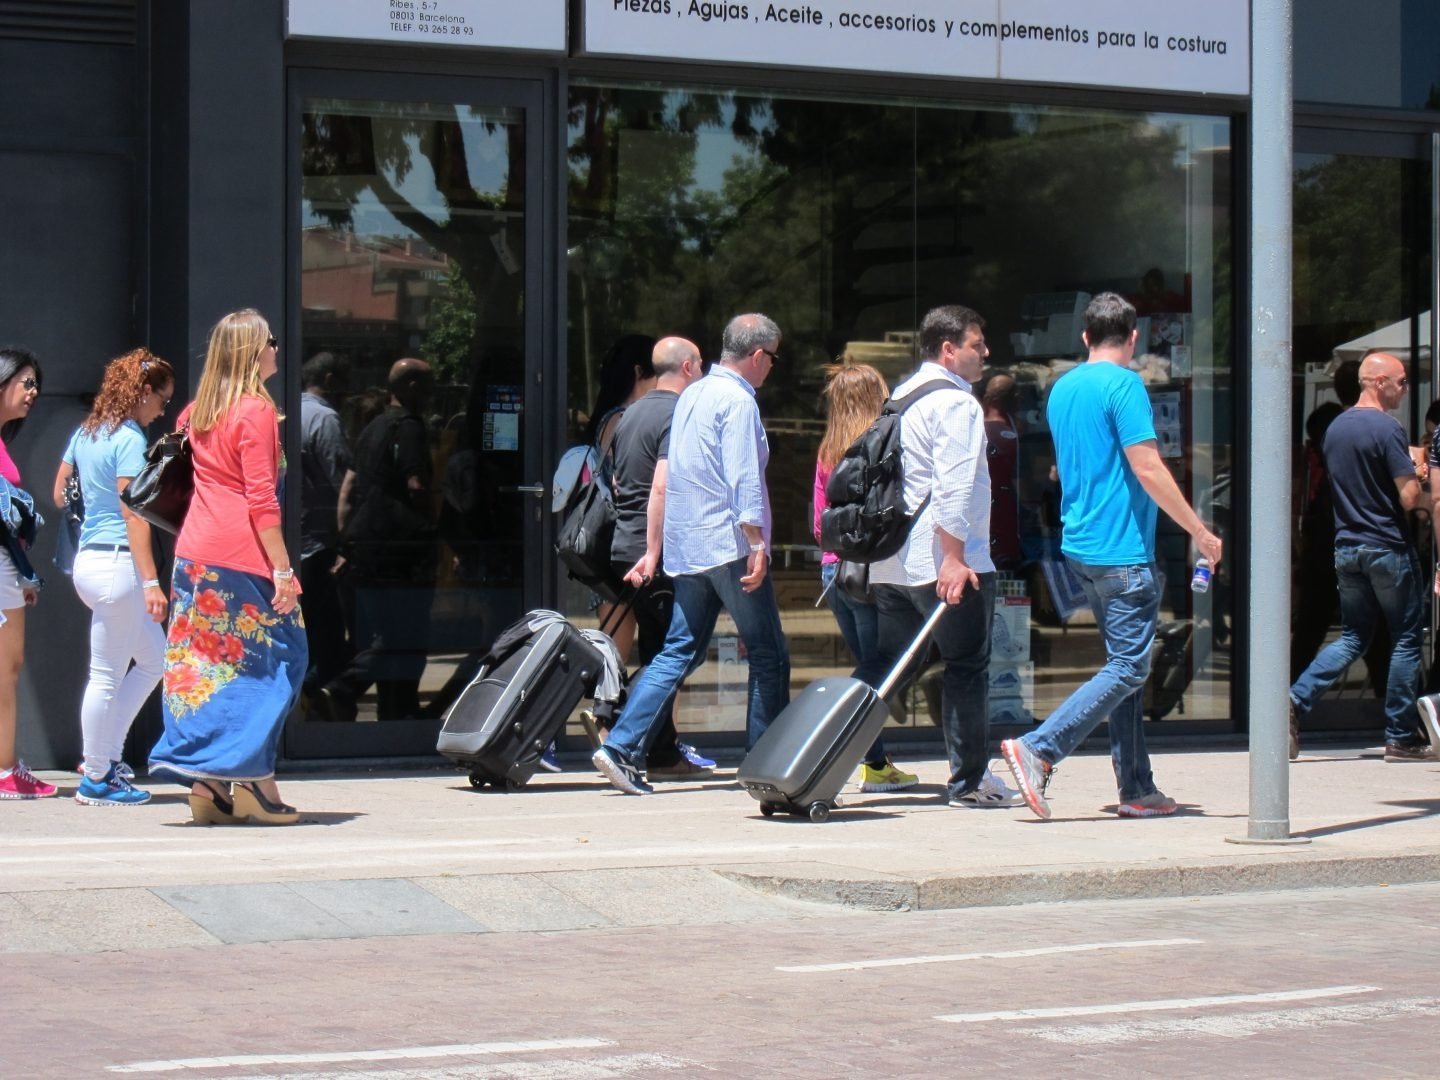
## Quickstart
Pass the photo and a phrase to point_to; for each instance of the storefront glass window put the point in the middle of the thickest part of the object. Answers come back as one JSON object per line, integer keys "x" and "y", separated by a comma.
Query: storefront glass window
{"x": 412, "y": 245}
{"x": 845, "y": 221}
{"x": 1362, "y": 277}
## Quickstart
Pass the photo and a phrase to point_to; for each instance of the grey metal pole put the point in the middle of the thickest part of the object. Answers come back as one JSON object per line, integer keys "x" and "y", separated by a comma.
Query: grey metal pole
{"x": 1271, "y": 139}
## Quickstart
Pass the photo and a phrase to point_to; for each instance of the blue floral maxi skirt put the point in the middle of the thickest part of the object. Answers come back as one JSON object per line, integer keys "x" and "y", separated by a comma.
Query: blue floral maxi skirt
{"x": 233, "y": 670}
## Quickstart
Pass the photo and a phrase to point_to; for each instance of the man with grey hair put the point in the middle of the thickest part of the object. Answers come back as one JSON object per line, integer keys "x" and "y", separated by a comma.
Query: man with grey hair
{"x": 716, "y": 547}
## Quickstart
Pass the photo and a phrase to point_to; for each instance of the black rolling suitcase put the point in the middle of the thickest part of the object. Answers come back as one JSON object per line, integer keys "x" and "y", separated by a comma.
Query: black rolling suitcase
{"x": 533, "y": 676}
{"x": 817, "y": 742}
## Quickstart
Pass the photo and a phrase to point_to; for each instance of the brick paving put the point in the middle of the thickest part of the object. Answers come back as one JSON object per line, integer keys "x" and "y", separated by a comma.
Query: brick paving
{"x": 409, "y": 911}
{"x": 709, "y": 1002}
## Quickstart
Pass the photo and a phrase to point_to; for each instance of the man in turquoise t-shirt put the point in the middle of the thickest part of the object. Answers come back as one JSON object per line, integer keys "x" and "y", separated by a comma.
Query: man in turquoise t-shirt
{"x": 1111, "y": 479}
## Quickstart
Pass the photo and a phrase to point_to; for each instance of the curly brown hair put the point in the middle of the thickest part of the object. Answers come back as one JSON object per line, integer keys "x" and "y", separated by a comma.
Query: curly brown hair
{"x": 126, "y": 378}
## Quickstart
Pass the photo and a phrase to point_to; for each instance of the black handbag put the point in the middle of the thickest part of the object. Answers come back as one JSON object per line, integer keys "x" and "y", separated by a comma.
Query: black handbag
{"x": 853, "y": 579}
{"x": 161, "y": 492}
{"x": 72, "y": 517}
{"x": 585, "y": 539}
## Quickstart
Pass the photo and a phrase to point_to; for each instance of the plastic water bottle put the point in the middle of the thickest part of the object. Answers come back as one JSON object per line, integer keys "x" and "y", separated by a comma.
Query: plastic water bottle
{"x": 1200, "y": 580}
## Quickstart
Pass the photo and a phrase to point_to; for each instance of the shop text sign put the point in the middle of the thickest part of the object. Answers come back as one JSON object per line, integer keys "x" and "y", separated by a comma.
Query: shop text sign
{"x": 502, "y": 24}
{"x": 1142, "y": 44}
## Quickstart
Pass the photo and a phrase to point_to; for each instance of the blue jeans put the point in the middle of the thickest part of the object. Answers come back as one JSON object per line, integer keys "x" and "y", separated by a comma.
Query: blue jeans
{"x": 698, "y": 600}
{"x": 1374, "y": 583}
{"x": 963, "y": 638}
{"x": 859, "y": 623}
{"x": 1126, "y": 604}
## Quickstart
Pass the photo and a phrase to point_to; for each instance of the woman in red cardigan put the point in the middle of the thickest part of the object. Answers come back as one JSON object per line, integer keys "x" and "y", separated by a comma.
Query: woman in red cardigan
{"x": 236, "y": 652}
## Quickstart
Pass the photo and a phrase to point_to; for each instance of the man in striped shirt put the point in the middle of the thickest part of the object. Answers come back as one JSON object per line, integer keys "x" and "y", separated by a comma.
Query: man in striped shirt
{"x": 716, "y": 547}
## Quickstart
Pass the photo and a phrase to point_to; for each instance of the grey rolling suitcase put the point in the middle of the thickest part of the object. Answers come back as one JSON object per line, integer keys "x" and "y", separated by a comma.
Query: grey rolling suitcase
{"x": 814, "y": 746}
{"x": 517, "y": 703}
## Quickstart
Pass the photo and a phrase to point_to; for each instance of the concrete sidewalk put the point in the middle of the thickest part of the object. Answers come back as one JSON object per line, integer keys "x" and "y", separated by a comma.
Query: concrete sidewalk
{"x": 422, "y": 853}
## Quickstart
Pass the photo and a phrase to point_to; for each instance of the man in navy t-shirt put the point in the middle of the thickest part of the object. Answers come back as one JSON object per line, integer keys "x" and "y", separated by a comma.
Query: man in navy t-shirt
{"x": 1111, "y": 479}
{"x": 1374, "y": 483}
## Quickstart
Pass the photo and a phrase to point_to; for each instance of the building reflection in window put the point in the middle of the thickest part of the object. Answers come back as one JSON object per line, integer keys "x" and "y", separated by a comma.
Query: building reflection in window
{"x": 412, "y": 250}
{"x": 845, "y": 221}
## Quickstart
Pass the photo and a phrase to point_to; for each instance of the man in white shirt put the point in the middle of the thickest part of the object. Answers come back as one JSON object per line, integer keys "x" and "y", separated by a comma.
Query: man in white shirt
{"x": 947, "y": 552}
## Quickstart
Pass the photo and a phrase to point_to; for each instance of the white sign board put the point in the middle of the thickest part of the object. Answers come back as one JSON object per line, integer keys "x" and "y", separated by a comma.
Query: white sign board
{"x": 492, "y": 24}
{"x": 1145, "y": 44}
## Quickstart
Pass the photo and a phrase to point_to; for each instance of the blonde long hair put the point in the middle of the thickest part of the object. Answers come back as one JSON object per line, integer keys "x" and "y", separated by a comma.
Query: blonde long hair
{"x": 855, "y": 393}
{"x": 232, "y": 368}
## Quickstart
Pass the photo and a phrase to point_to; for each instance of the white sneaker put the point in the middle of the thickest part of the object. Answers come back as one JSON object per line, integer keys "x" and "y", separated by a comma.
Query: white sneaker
{"x": 992, "y": 792}
{"x": 1429, "y": 707}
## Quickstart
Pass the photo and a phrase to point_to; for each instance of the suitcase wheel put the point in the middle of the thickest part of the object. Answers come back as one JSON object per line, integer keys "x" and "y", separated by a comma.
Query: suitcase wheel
{"x": 478, "y": 780}
{"x": 819, "y": 811}
{"x": 767, "y": 809}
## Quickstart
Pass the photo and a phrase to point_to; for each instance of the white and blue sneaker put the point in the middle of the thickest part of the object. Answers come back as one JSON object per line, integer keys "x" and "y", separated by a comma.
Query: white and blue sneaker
{"x": 621, "y": 774}
{"x": 990, "y": 792}
{"x": 550, "y": 760}
{"x": 699, "y": 760}
{"x": 113, "y": 789}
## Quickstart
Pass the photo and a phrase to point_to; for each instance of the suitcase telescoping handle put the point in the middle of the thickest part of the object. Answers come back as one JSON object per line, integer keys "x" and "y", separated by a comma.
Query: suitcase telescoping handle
{"x": 622, "y": 608}
{"x": 903, "y": 664}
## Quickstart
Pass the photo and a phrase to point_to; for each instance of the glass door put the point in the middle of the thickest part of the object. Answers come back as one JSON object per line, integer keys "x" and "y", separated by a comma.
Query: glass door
{"x": 1363, "y": 281}
{"x": 413, "y": 420}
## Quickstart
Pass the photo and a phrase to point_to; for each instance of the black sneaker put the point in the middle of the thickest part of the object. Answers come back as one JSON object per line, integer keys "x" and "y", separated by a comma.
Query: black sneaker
{"x": 621, "y": 774}
{"x": 1294, "y": 732}
{"x": 1410, "y": 750}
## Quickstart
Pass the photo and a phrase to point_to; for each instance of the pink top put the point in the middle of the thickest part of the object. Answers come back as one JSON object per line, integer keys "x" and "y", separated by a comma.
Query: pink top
{"x": 8, "y": 468}
{"x": 822, "y": 475}
{"x": 237, "y": 468}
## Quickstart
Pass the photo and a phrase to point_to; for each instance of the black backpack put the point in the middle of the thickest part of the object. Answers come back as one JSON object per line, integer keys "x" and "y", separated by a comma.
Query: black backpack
{"x": 866, "y": 520}
{"x": 587, "y": 531}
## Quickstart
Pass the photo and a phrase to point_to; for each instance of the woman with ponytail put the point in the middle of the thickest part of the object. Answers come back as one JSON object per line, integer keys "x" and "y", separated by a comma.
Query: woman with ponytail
{"x": 115, "y": 572}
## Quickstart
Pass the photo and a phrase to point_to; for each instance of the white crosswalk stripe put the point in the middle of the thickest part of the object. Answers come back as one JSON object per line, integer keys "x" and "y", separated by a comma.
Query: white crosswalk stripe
{"x": 1160, "y": 1005}
{"x": 1010, "y": 954}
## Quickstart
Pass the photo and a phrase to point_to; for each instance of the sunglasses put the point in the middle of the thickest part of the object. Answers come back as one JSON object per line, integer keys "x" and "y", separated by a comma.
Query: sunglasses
{"x": 29, "y": 382}
{"x": 774, "y": 356}
{"x": 271, "y": 343}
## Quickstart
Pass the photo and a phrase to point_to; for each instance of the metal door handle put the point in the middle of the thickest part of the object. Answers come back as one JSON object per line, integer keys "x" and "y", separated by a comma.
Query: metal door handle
{"x": 529, "y": 489}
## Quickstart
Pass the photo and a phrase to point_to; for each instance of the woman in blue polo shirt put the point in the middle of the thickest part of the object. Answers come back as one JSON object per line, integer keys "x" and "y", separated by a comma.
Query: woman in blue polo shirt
{"x": 115, "y": 570}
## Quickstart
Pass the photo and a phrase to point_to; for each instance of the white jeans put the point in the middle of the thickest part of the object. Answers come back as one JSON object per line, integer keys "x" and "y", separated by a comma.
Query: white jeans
{"x": 120, "y": 630}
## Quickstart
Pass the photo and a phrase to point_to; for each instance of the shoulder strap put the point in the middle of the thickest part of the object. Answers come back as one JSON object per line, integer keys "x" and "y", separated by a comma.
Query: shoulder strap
{"x": 923, "y": 390}
{"x": 899, "y": 410}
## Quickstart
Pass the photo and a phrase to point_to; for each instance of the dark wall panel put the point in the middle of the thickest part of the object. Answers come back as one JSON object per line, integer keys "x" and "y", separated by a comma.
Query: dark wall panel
{"x": 237, "y": 164}
{"x": 70, "y": 234}
{"x": 54, "y": 94}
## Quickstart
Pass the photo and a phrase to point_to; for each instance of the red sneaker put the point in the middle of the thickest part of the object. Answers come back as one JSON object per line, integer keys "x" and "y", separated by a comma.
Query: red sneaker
{"x": 23, "y": 784}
